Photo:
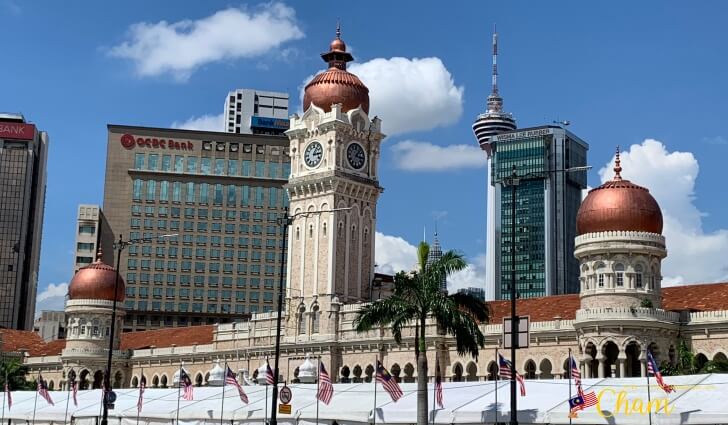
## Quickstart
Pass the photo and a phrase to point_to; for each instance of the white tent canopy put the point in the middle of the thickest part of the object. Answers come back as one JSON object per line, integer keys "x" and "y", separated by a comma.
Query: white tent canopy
{"x": 698, "y": 399}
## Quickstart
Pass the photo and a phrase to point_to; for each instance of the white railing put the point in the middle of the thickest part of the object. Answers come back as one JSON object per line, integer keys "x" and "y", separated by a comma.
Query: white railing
{"x": 194, "y": 349}
{"x": 708, "y": 316}
{"x": 607, "y": 313}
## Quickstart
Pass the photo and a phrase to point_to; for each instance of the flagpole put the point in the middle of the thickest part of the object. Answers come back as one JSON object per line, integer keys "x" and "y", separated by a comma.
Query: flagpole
{"x": 179, "y": 381}
{"x": 497, "y": 372}
{"x": 434, "y": 389}
{"x": 266, "y": 389}
{"x": 376, "y": 371}
{"x": 35, "y": 402}
{"x": 222, "y": 403}
{"x": 570, "y": 369}
{"x": 649, "y": 402}
{"x": 6, "y": 390}
{"x": 68, "y": 399}
{"x": 318, "y": 388}
{"x": 140, "y": 384}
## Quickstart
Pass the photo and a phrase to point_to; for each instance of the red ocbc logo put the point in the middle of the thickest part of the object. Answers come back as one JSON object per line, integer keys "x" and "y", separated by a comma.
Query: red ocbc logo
{"x": 128, "y": 141}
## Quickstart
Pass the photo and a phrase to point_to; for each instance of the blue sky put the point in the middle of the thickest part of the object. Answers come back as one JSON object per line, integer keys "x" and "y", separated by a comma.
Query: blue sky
{"x": 621, "y": 72}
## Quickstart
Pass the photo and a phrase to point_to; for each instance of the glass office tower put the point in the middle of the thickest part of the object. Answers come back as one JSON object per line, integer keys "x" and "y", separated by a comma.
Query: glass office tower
{"x": 547, "y": 201}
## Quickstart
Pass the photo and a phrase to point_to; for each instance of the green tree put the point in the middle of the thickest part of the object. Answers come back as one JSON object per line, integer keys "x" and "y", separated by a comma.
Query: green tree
{"x": 417, "y": 296}
{"x": 15, "y": 372}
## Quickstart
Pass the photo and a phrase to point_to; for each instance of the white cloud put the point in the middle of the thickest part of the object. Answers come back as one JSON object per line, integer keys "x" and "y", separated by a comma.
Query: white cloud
{"x": 409, "y": 94}
{"x": 179, "y": 48}
{"x": 53, "y": 298}
{"x": 693, "y": 255}
{"x": 394, "y": 254}
{"x": 412, "y": 155}
{"x": 203, "y": 122}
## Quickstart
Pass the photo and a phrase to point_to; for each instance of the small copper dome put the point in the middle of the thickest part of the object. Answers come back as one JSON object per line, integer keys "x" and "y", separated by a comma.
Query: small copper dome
{"x": 96, "y": 282}
{"x": 619, "y": 205}
{"x": 336, "y": 84}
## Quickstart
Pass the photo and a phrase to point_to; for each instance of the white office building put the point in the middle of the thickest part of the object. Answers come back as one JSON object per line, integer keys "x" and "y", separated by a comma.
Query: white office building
{"x": 249, "y": 111}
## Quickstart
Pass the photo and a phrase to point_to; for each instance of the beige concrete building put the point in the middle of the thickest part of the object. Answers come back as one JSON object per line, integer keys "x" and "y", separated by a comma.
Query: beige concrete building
{"x": 93, "y": 233}
{"x": 620, "y": 313}
{"x": 221, "y": 195}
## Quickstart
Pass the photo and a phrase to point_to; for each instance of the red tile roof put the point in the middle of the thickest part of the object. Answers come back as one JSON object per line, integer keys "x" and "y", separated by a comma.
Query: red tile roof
{"x": 160, "y": 338}
{"x": 698, "y": 297}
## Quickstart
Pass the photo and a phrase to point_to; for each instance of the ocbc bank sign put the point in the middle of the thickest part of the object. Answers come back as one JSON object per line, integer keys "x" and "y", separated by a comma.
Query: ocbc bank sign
{"x": 129, "y": 141}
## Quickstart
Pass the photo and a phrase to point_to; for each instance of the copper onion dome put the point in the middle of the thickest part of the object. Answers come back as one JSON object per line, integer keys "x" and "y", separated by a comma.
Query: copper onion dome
{"x": 336, "y": 84}
{"x": 619, "y": 205}
{"x": 96, "y": 282}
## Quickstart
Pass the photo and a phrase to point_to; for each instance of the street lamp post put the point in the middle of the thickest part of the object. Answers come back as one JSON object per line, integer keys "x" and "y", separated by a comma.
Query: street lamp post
{"x": 285, "y": 221}
{"x": 514, "y": 181}
{"x": 119, "y": 246}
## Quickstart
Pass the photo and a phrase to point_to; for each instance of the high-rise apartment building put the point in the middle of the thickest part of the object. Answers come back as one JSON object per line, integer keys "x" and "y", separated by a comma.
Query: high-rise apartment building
{"x": 23, "y": 157}
{"x": 93, "y": 237}
{"x": 221, "y": 194}
{"x": 250, "y": 111}
{"x": 547, "y": 201}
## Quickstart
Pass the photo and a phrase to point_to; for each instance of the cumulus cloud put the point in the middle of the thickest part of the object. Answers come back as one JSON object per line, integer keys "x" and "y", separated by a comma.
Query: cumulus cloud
{"x": 203, "y": 122}
{"x": 409, "y": 94}
{"x": 179, "y": 48}
{"x": 394, "y": 254}
{"x": 411, "y": 155}
{"x": 693, "y": 254}
{"x": 53, "y": 297}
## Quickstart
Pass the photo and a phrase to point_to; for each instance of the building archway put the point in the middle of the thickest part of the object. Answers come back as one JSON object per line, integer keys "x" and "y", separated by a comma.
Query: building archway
{"x": 155, "y": 381}
{"x": 457, "y": 373}
{"x": 492, "y": 371}
{"x": 51, "y": 385}
{"x": 409, "y": 373}
{"x": 546, "y": 369}
{"x": 472, "y": 372}
{"x": 566, "y": 367}
{"x": 118, "y": 379}
{"x": 632, "y": 365}
{"x": 610, "y": 351}
{"x": 198, "y": 379}
{"x": 134, "y": 382}
{"x": 369, "y": 372}
{"x": 700, "y": 361}
{"x": 163, "y": 381}
{"x": 591, "y": 363}
{"x": 357, "y": 374}
{"x": 345, "y": 372}
{"x": 529, "y": 370}
{"x": 720, "y": 357}
{"x": 396, "y": 372}
{"x": 98, "y": 380}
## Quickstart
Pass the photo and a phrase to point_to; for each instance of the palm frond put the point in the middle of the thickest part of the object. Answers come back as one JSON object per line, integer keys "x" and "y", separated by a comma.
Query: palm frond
{"x": 473, "y": 305}
{"x": 383, "y": 313}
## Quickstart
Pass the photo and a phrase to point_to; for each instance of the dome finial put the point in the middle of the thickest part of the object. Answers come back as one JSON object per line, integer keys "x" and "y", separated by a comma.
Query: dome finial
{"x": 99, "y": 254}
{"x": 338, "y": 29}
{"x": 617, "y": 167}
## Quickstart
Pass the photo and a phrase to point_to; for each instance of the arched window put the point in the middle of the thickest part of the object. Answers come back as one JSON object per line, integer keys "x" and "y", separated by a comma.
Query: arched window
{"x": 155, "y": 381}
{"x": 315, "y": 319}
{"x": 600, "y": 275}
{"x": 457, "y": 373}
{"x": 369, "y": 371}
{"x": 619, "y": 274}
{"x": 530, "y": 370}
{"x": 638, "y": 270}
{"x": 302, "y": 320}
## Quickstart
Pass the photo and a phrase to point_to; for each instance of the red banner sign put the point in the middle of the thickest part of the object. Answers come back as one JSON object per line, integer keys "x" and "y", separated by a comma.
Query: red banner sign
{"x": 17, "y": 130}
{"x": 130, "y": 142}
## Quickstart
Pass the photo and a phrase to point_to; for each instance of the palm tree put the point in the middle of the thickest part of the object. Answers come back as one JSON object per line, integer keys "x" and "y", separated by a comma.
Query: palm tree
{"x": 417, "y": 296}
{"x": 16, "y": 373}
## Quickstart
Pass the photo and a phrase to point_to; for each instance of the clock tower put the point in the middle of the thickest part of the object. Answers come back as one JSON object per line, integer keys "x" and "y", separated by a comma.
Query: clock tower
{"x": 334, "y": 149}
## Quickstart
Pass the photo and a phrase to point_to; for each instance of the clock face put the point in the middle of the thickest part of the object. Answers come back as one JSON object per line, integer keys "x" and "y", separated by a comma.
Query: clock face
{"x": 313, "y": 154}
{"x": 356, "y": 156}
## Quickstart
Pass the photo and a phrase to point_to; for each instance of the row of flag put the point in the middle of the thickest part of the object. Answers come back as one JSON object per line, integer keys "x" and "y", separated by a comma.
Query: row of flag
{"x": 390, "y": 385}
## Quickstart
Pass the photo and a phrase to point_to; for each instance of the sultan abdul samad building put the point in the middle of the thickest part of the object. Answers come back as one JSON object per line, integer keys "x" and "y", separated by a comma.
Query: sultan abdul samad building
{"x": 621, "y": 309}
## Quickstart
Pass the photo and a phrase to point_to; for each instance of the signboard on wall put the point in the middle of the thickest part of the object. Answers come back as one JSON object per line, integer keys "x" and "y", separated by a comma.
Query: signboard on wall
{"x": 17, "y": 130}
{"x": 265, "y": 122}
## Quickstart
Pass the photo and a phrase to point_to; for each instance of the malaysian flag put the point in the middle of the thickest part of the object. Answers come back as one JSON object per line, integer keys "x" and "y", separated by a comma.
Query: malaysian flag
{"x": 505, "y": 373}
{"x": 269, "y": 377}
{"x": 576, "y": 375}
{"x": 581, "y": 402}
{"x": 326, "y": 389}
{"x": 653, "y": 370}
{"x": 43, "y": 390}
{"x": 8, "y": 394}
{"x": 438, "y": 385}
{"x": 388, "y": 382}
{"x": 142, "y": 387}
{"x": 185, "y": 380}
{"x": 231, "y": 379}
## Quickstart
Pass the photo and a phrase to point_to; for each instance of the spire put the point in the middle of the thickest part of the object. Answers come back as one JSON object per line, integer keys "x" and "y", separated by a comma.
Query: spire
{"x": 495, "y": 60}
{"x": 337, "y": 56}
{"x": 99, "y": 254}
{"x": 338, "y": 29}
{"x": 495, "y": 102}
{"x": 617, "y": 167}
